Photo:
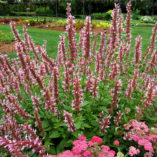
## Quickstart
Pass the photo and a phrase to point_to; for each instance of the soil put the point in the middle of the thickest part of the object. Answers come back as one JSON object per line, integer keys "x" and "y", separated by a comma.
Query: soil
{"x": 96, "y": 30}
{"x": 7, "y": 48}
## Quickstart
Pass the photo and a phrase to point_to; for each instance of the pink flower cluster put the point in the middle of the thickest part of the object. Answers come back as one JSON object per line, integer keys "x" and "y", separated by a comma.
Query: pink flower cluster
{"x": 133, "y": 151}
{"x": 84, "y": 148}
{"x": 140, "y": 133}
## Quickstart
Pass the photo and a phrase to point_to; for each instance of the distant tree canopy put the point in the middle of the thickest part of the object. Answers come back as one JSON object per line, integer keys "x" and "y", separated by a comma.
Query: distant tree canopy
{"x": 86, "y": 7}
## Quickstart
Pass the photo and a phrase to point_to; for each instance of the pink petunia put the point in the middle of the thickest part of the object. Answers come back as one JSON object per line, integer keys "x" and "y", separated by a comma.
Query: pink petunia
{"x": 133, "y": 151}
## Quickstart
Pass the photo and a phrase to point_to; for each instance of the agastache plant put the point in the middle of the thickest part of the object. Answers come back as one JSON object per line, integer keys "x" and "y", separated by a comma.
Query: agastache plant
{"x": 90, "y": 89}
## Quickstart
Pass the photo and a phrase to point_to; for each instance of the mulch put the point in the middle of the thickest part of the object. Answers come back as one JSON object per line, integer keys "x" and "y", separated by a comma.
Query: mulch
{"x": 7, "y": 48}
{"x": 96, "y": 30}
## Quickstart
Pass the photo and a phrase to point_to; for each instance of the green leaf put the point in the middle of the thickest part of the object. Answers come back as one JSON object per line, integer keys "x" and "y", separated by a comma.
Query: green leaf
{"x": 61, "y": 145}
{"x": 54, "y": 134}
{"x": 45, "y": 124}
{"x": 78, "y": 125}
{"x": 86, "y": 125}
{"x": 151, "y": 118}
{"x": 84, "y": 103}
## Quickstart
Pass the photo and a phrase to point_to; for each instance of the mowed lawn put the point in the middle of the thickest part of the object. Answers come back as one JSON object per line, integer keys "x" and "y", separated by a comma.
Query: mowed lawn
{"x": 52, "y": 38}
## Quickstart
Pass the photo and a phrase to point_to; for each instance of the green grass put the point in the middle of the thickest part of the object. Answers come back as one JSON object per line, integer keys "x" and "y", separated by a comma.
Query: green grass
{"x": 38, "y": 36}
{"x": 52, "y": 37}
{"x": 145, "y": 33}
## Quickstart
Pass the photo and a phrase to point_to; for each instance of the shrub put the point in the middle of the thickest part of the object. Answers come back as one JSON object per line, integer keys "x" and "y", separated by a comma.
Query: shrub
{"x": 99, "y": 16}
{"x": 147, "y": 19}
{"x": 102, "y": 16}
{"x": 32, "y": 22}
{"x": 79, "y": 24}
{"x": 22, "y": 13}
{"x": 136, "y": 14}
{"x": 107, "y": 15}
{"x": 62, "y": 23}
{"x": 103, "y": 24}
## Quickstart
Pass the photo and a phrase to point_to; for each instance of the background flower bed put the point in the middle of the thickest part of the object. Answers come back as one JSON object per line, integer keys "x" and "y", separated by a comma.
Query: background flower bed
{"x": 89, "y": 86}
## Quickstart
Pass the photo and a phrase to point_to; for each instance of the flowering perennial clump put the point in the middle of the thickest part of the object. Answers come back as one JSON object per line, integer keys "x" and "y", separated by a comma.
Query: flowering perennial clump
{"x": 84, "y": 148}
{"x": 102, "y": 90}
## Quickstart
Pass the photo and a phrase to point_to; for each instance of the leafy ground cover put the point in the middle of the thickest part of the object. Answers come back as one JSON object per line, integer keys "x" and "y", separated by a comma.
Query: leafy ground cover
{"x": 96, "y": 103}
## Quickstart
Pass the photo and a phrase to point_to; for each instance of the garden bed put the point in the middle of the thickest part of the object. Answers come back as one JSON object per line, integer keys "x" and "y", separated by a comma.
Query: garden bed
{"x": 7, "y": 48}
{"x": 96, "y": 30}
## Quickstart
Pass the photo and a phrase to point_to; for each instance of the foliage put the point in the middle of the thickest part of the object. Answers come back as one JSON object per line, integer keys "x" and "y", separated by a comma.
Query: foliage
{"x": 136, "y": 14}
{"x": 22, "y": 13}
{"x": 6, "y": 38}
{"x": 62, "y": 23}
{"x": 32, "y": 22}
{"x": 44, "y": 11}
{"x": 79, "y": 24}
{"x": 103, "y": 24}
{"x": 102, "y": 16}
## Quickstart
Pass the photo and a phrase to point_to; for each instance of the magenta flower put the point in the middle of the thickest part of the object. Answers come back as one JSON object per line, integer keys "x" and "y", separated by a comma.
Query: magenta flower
{"x": 82, "y": 138}
{"x": 116, "y": 142}
{"x": 96, "y": 139}
{"x": 87, "y": 154}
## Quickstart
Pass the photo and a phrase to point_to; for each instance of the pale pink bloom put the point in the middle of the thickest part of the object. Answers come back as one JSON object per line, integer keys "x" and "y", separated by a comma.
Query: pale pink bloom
{"x": 148, "y": 154}
{"x": 133, "y": 151}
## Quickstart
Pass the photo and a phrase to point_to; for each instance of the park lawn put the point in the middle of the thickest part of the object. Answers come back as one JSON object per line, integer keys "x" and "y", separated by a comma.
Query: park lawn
{"x": 52, "y": 38}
